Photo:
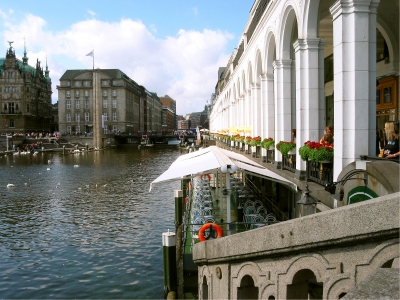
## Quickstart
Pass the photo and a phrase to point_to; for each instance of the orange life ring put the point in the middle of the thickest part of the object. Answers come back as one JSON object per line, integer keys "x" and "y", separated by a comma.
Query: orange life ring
{"x": 208, "y": 175}
{"x": 206, "y": 226}
{"x": 189, "y": 186}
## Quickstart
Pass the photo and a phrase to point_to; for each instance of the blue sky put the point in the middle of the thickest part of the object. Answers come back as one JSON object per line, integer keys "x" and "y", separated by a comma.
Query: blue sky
{"x": 171, "y": 47}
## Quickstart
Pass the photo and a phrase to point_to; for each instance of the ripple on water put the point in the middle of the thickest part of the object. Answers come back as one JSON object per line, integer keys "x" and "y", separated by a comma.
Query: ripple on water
{"x": 92, "y": 231}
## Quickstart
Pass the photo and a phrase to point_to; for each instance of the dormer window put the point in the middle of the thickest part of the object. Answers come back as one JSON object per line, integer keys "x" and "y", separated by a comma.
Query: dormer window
{"x": 68, "y": 94}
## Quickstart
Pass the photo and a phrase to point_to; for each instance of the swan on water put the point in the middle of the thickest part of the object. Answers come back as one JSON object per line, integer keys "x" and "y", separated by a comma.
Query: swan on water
{"x": 10, "y": 185}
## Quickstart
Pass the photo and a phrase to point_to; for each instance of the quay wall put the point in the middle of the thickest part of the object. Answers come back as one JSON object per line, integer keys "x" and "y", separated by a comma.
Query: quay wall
{"x": 326, "y": 254}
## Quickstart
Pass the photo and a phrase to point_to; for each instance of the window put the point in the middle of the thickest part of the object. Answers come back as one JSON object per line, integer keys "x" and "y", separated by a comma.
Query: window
{"x": 68, "y": 83}
{"x": 78, "y": 129}
{"x": 104, "y": 83}
{"x": 77, "y": 83}
{"x": 114, "y": 82}
{"x": 114, "y": 116}
{"x": 27, "y": 89}
{"x": 114, "y": 104}
{"x": 27, "y": 107}
{"x": 115, "y": 129}
{"x": 77, "y": 104}
{"x": 76, "y": 93}
{"x": 86, "y": 93}
{"x": 12, "y": 123}
{"x": 5, "y": 107}
{"x": 77, "y": 117}
{"x": 68, "y": 94}
{"x": 86, "y": 104}
{"x": 86, "y": 117}
{"x": 10, "y": 74}
{"x": 104, "y": 103}
{"x": 114, "y": 93}
{"x": 11, "y": 108}
{"x": 68, "y": 104}
{"x": 69, "y": 129}
{"x": 86, "y": 83}
{"x": 68, "y": 117}
{"x": 105, "y": 116}
{"x": 105, "y": 93}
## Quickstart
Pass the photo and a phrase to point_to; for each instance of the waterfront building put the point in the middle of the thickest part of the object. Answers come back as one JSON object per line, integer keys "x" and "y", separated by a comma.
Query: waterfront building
{"x": 170, "y": 103}
{"x": 168, "y": 119}
{"x": 184, "y": 125}
{"x": 126, "y": 106}
{"x": 25, "y": 97}
{"x": 305, "y": 65}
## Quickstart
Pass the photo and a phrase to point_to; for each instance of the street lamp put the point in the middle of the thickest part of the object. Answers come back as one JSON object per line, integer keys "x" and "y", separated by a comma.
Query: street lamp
{"x": 307, "y": 203}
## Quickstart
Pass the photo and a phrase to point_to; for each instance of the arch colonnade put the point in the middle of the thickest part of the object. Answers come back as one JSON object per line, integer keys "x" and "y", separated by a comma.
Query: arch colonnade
{"x": 277, "y": 79}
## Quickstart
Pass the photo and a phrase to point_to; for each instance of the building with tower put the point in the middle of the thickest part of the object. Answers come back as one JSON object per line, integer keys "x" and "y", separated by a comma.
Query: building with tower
{"x": 25, "y": 98}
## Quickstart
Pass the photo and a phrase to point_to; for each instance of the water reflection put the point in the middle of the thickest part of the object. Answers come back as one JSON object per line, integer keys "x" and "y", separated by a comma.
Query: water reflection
{"x": 84, "y": 225}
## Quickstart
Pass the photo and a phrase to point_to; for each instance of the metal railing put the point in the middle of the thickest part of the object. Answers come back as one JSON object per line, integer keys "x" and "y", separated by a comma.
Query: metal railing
{"x": 280, "y": 215}
{"x": 289, "y": 162}
{"x": 320, "y": 172}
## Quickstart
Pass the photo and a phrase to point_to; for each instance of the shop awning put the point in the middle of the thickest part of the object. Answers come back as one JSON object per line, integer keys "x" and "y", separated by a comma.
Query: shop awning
{"x": 210, "y": 160}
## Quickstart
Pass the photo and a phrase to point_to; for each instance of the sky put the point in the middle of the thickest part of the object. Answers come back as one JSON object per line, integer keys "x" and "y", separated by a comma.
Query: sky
{"x": 171, "y": 47}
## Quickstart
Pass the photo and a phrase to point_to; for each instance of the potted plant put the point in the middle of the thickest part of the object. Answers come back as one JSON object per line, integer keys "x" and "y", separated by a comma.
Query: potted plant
{"x": 316, "y": 152}
{"x": 255, "y": 141}
{"x": 285, "y": 147}
{"x": 247, "y": 141}
{"x": 268, "y": 143}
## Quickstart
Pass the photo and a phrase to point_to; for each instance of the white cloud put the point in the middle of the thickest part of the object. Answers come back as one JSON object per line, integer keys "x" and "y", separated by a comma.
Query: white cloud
{"x": 92, "y": 13}
{"x": 183, "y": 66}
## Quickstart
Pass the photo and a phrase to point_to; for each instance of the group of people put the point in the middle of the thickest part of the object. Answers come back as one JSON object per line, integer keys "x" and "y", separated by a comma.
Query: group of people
{"x": 390, "y": 147}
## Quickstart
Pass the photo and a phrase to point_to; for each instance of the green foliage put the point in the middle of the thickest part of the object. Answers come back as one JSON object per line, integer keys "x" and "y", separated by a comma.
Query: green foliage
{"x": 316, "y": 152}
{"x": 267, "y": 143}
{"x": 285, "y": 147}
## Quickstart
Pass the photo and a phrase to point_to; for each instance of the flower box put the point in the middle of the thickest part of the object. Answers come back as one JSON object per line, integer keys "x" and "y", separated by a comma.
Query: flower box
{"x": 317, "y": 152}
{"x": 268, "y": 143}
{"x": 285, "y": 147}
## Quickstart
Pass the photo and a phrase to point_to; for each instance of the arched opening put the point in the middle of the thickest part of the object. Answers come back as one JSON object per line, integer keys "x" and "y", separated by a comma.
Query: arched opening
{"x": 389, "y": 264}
{"x": 204, "y": 288}
{"x": 271, "y": 298}
{"x": 247, "y": 290}
{"x": 305, "y": 286}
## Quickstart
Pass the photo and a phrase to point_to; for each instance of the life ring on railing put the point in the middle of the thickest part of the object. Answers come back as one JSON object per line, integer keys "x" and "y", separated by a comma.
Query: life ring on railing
{"x": 210, "y": 226}
{"x": 189, "y": 186}
{"x": 208, "y": 175}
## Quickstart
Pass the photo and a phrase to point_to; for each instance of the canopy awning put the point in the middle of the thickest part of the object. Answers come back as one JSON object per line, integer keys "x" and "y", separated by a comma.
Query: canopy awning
{"x": 210, "y": 160}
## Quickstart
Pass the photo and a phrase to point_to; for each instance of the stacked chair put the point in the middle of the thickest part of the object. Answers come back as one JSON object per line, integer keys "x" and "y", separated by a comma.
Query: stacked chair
{"x": 201, "y": 211}
{"x": 255, "y": 214}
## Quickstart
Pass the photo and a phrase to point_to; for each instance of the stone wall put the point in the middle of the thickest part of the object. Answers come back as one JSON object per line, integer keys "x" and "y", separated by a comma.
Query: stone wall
{"x": 325, "y": 255}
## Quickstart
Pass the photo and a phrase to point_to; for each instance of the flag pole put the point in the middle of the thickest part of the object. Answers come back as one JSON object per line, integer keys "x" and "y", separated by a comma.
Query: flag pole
{"x": 93, "y": 59}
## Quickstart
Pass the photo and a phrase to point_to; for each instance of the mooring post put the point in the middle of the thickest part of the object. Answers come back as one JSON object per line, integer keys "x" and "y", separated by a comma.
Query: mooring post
{"x": 169, "y": 256}
{"x": 178, "y": 194}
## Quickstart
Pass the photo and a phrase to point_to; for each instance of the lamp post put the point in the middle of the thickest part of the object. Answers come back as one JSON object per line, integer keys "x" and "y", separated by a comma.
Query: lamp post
{"x": 307, "y": 203}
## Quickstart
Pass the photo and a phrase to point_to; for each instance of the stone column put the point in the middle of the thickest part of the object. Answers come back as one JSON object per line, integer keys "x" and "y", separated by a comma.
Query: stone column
{"x": 354, "y": 26}
{"x": 307, "y": 96}
{"x": 321, "y": 85}
{"x": 267, "y": 105}
{"x": 256, "y": 115}
{"x": 283, "y": 130}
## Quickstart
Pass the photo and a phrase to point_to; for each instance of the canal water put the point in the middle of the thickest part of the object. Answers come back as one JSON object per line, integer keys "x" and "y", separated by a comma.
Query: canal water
{"x": 84, "y": 225}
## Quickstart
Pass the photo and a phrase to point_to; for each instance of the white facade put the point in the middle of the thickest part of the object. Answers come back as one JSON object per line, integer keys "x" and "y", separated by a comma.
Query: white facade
{"x": 276, "y": 80}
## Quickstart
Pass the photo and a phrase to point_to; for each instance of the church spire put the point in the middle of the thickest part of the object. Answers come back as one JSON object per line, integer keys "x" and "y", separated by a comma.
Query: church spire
{"x": 47, "y": 70}
{"x": 25, "y": 58}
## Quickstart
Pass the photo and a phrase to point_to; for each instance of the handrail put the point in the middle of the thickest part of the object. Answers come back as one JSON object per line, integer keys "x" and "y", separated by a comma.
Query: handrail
{"x": 270, "y": 205}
